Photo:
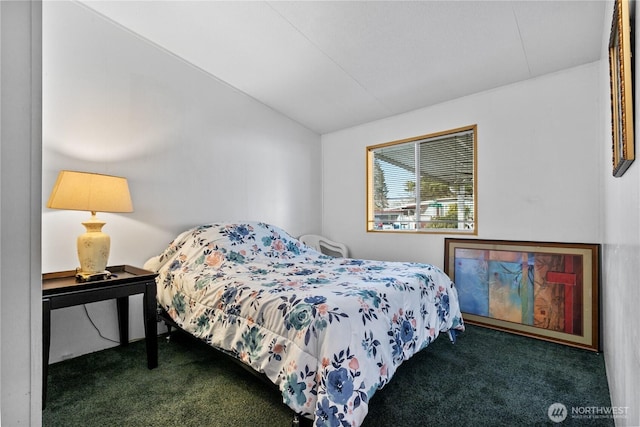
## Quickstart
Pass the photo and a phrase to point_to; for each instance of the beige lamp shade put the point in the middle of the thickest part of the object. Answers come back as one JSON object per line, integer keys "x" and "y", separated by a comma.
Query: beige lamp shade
{"x": 83, "y": 191}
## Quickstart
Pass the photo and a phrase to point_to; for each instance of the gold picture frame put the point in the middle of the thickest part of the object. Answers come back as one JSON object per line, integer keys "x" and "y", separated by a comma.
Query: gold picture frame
{"x": 620, "y": 70}
{"x": 542, "y": 290}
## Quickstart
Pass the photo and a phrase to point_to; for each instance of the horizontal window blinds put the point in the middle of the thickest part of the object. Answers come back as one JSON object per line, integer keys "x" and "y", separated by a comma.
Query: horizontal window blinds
{"x": 424, "y": 184}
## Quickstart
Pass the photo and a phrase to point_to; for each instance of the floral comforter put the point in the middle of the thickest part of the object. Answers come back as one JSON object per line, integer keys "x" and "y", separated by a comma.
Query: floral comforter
{"x": 327, "y": 331}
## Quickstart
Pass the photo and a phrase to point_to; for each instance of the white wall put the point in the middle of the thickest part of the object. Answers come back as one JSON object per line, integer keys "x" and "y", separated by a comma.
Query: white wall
{"x": 193, "y": 149}
{"x": 20, "y": 171}
{"x": 544, "y": 153}
{"x": 620, "y": 260}
{"x": 539, "y": 157}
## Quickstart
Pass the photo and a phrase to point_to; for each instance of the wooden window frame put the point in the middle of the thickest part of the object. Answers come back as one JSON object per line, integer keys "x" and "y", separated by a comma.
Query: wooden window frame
{"x": 374, "y": 224}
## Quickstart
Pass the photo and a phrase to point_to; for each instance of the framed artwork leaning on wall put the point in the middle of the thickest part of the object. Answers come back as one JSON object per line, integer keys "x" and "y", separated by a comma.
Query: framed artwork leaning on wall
{"x": 537, "y": 289}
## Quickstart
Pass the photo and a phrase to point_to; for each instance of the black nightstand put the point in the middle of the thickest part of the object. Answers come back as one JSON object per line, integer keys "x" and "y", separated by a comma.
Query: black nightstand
{"x": 61, "y": 290}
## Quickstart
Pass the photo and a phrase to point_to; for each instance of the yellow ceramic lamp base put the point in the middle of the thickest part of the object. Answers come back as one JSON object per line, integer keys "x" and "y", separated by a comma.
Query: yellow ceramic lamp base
{"x": 93, "y": 247}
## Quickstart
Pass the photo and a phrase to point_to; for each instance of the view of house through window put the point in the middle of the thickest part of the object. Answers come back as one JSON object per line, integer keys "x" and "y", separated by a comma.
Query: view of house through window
{"x": 423, "y": 184}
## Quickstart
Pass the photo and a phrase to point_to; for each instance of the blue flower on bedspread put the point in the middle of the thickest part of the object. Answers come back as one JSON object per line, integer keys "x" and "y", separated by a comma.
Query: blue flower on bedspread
{"x": 201, "y": 282}
{"x": 406, "y": 331}
{"x": 303, "y": 272}
{"x": 327, "y": 415}
{"x": 267, "y": 241}
{"x": 202, "y": 324}
{"x": 403, "y": 335}
{"x": 178, "y": 303}
{"x": 317, "y": 281}
{"x": 315, "y": 300}
{"x": 277, "y": 247}
{"x": 443, "y": 307}
{"x": 229, "y": 295}
{"x": 239, "y": 233}
{"x": 372, "y": 296}
{"x": 234, "y": 256}
{"x": 294, "y": 390}
{"x": 339, "y": 386}
{"x": 258, "y": 271}
{"x": 313, "y": 315}
{"x": 300, "y": 317}
{"x": 293, "y": 248}
{"x": 250, "y": 345}
{"x": 232, "y": 312}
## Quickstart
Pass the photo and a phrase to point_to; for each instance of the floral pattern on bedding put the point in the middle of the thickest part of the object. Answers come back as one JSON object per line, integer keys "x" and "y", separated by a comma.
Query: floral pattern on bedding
{"x": 327, "y": 331}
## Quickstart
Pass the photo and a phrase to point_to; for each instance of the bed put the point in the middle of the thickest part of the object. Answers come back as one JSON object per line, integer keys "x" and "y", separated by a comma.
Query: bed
{"x": 327, "y": 331}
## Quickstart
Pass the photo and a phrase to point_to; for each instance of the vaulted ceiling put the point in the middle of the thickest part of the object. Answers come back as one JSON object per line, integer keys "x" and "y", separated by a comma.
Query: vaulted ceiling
{"x": 330, "y": 65}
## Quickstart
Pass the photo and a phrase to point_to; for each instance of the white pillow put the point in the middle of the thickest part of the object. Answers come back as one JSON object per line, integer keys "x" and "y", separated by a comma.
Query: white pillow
{"x": 153, "y": 264}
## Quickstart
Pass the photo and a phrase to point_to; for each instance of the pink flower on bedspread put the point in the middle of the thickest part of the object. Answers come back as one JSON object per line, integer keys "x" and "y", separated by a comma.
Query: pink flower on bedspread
{"x": 383, "y": 371}
{"x": 293, "y": 283}
{"x": 215, "y": 259}
{"x": 322, "y": 309}
{"x": 354, "y": 364}
{"x": 279, "y": 246}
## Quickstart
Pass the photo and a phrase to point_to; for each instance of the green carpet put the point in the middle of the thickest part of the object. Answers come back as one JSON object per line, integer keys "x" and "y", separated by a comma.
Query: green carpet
{"x": 488, "y": 378}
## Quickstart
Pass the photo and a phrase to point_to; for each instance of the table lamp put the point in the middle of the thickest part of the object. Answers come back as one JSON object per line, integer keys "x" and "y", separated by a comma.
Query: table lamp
{"x": 85, "y": 191}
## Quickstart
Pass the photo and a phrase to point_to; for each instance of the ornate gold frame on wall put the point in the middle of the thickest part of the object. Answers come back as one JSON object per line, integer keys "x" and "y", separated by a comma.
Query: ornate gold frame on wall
{"x": 620, "y": 69}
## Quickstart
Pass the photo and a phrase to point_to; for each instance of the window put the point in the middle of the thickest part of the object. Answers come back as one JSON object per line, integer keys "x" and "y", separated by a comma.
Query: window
{"x": 423, "y": 184}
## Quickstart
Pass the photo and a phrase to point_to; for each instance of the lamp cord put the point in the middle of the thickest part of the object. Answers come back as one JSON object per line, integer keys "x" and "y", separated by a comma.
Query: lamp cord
{"x": 95, "y": 327}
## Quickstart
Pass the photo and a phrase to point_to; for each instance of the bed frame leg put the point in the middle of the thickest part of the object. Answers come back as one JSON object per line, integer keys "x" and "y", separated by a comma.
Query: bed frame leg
{"x": 299, "y": 421}
{"x": 168, "y": 332}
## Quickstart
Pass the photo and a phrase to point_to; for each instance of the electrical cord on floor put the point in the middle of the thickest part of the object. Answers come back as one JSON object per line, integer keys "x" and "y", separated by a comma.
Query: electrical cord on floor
{"x": 95, "y": 327}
